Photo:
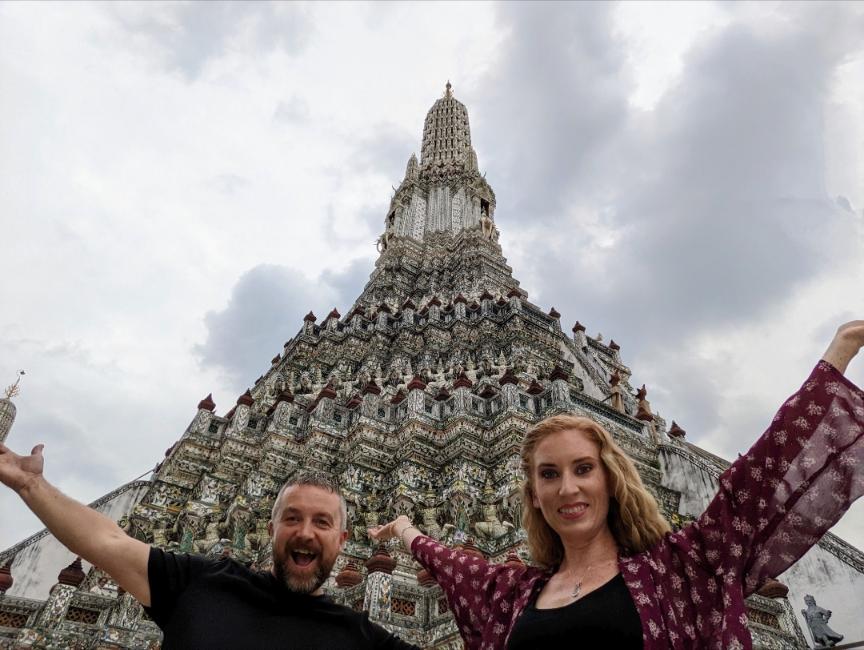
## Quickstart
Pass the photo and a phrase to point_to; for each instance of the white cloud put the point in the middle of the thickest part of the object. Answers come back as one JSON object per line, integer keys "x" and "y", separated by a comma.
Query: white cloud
{"x": 152, "y": 160}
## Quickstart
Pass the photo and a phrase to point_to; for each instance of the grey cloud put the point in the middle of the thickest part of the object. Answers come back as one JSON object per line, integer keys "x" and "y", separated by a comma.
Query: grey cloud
{"x": 229, "y": 183}
{"x": 192, "y": 33}
{"x": 552, "y": 106}
{"x": 265, "y": 309}
{"x": 385, "y": 149}
{"x": 716, "y": 198}
{"x": 291, "y": 111}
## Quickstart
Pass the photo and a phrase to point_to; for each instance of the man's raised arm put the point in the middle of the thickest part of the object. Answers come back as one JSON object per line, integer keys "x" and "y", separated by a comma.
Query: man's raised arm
{"x": 82, "y": 530}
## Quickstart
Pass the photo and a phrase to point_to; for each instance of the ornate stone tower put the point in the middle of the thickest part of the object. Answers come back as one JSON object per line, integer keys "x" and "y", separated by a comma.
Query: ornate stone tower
{"x": 416, "y": 400}
{"x": 7, "y": 407}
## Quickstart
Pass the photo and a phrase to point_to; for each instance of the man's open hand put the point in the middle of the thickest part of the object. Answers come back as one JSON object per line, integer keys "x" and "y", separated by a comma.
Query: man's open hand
{"x": 17, "y": 472}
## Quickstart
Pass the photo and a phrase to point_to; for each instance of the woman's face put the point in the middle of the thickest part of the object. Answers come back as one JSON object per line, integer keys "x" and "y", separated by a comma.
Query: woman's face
{"x": 570, "y": 486}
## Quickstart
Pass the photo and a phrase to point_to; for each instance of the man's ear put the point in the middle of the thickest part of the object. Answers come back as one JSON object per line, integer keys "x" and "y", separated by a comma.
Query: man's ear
{"x": 343, "y": 537}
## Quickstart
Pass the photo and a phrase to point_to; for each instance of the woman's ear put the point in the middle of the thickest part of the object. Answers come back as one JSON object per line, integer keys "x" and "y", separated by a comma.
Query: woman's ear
{"x": 534, "y": 500}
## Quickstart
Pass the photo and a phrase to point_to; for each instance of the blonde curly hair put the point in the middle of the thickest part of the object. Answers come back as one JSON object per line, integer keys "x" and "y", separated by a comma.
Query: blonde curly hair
{"x": 634, "y": 517}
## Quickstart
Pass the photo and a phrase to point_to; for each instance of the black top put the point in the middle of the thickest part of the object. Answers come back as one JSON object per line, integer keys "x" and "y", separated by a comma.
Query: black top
{"x": 605, "y": 618}
{"x": 200, "y": 603}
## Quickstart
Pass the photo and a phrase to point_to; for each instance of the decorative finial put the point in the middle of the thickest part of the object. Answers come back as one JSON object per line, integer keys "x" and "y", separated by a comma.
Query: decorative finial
{"x": 449, "y": 89}
{"x": 13, "y": 390}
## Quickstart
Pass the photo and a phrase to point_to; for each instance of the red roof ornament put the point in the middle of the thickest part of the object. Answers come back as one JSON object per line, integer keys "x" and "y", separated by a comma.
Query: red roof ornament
{"x": 6, "y": 579}
{"x": 676, "y": 431}
{"x": 371, "y": 388}
{"x": 310, "y": 317}
{"x": 488, "y": 391}
{"x": 357, "y": 311}
{"x": 434, "y": 301}
{"x": 424, "y": 578}
{"x": 408, "y": 304}
{"x": 354, "y": 402}
{"x": 502, "y": 301}
{"x": 383, "y": 307}
{"x": 460, "y": 298}
{"x": 486, "y": 295}
{"x": 508, "y": 378}
{"x": 442, "y": 395}
{"x": 349, "y": 576}
{"x": 554, "y": 313}
{"x": 513, "y": 560}
{"x": 72, "y": 575}
{"x": 535, "y": 388}
{"x": 613, "y": 345}
{"x": 275, "y": 359}
{"x": 398, "y": 397}
{"x": 380, "y": 561}
{"x": 559, "y": 373}
{"x": 417, "y": 383}
{"x": 246, "y": 399}
{"x": 772, "y": 588}
{"x": 578, "y": 327}
{"x": 474, "y": 306}
{"x": 328, "y": 391}
{"x": 514, "y": 293}
{"x": 462, "y": 381}
{"x": 207, "y": 404}
{"x": 333, "y": 314}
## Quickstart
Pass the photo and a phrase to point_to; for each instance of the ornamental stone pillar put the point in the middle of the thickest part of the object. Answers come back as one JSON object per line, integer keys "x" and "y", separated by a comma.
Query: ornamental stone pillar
{"x": 240, "y": 416}
{"x": 579, "y": 336}
{"x": 460, "y": 310}
{"x": 416, "y": 396}
{"x": 201, "y": 422}
{"x": 7, "y": 417}
{"x": 377, "y": 597}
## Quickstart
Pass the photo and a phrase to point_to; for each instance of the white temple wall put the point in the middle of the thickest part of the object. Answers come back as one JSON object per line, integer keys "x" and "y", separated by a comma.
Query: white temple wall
{"x": 696, "y": 485}
{"x": 832, "y": 582}
{"x": 418, "y": 217}
{"x": 835, "y": 585}
{"x": 37, "y": 565}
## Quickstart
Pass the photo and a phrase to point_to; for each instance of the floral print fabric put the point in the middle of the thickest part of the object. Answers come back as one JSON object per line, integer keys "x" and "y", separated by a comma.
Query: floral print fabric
{"x": 773, "y": 504}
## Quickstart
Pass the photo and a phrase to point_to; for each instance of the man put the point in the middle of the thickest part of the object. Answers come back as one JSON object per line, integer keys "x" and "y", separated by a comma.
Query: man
{"x": 199, "y": 603}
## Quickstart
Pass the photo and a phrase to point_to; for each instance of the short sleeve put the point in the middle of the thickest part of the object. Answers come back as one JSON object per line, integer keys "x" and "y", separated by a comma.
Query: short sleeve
{"x": 169, "y": 574}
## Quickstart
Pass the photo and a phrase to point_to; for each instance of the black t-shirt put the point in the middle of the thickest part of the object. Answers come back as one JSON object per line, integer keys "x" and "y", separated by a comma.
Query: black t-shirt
{"x": 605, "y": 618}
{"x": 200, "y": 603}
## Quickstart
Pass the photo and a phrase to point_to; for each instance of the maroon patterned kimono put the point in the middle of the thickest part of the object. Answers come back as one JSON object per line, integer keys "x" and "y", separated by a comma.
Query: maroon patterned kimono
{"x": 774, "y": 503}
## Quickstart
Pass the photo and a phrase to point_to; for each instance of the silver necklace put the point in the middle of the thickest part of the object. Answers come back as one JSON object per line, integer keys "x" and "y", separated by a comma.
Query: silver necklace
{"x": 577, "y": 589}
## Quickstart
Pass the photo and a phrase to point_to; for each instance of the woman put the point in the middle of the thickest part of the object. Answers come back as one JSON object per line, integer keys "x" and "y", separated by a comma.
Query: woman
{"x": 612, "y": 574}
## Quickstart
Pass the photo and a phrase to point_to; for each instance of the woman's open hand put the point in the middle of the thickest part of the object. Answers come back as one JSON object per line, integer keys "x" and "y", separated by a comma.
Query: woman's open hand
{"x": 17, "y": 472}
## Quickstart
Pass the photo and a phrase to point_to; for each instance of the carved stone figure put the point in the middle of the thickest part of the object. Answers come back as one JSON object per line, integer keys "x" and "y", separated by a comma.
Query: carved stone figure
{"x": 817, "y": 620}
{"x": 430, "y": 522}
{"x": 210, "y": 538}
{"x": 492, "y": 527}
{"x": 616, "y": 397}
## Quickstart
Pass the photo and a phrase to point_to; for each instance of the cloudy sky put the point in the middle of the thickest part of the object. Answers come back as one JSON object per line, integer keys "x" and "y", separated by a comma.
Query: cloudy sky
{"x": 180, "y": 183}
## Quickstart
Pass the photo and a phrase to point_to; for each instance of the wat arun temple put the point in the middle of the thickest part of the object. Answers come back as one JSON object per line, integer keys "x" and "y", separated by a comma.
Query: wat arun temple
{"x": 416, "y": 400}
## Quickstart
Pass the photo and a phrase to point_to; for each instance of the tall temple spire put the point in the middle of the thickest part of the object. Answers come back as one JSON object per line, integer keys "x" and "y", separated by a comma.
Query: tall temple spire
{"x": 7, "y": 408}
{"x": 445, "y": 192}
{"x": 446, "y": 132}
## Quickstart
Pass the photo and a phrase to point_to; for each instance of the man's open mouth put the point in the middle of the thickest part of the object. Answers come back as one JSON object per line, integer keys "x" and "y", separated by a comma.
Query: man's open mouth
{"x": 303, "y": 558}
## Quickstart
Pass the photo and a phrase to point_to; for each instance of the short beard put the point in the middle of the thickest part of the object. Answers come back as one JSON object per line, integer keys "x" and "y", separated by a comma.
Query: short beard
{"x": 299, "y": 585}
